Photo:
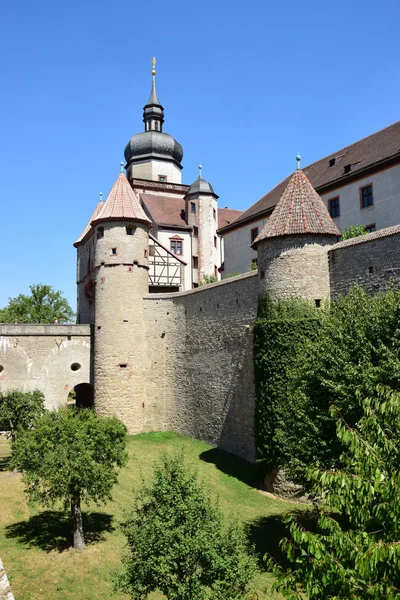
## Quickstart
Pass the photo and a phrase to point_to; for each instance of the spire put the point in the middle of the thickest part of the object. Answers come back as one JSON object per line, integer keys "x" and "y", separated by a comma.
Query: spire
{"x": 200, "y": 168}
{"x": 298, "y": 158}
{"x": 153, "y": 112}
{"x": 121, "y": 204}
{"x": 299, "y": 211}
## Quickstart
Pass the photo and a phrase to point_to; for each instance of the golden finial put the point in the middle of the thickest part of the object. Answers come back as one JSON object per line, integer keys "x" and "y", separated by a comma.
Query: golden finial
{"x": 153, "y": 62}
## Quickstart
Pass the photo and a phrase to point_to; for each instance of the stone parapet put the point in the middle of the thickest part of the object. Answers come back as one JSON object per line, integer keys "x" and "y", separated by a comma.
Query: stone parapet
{"x": 9, "y": 329}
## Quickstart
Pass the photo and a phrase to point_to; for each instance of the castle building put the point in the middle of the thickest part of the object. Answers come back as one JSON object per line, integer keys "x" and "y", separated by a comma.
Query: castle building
{"x": 359, "y": 185}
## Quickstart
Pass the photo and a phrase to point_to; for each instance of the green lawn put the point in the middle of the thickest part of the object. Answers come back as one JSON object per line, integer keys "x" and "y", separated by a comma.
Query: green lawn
{"x": 34, "y": 543}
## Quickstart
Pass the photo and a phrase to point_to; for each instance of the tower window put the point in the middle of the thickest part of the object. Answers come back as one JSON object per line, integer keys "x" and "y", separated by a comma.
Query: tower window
{"x": 215, "y": 241}
{"x": 114, "y": 251}
{"x": 162, "y": 178}
{"x": 129, "y": 230}
{"x": 214, "y": 214}
{"x": 253, "y": 234}
{"x": 176, "y": 246}
{"x": 192, "y": 207}
{"x": 100, "y": 232}
{"x": 333, "y": 207}
{"x": 195, "y": 262}
{"x": 366, "y": 197}
{"x": 196, "y": 231}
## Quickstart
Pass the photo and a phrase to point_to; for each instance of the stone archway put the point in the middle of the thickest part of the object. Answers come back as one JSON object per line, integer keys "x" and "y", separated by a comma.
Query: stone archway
{"x": 84, "y": 395}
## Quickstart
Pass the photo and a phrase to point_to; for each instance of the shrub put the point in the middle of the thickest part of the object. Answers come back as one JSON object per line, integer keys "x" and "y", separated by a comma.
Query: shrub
{"x": 20, "y": 410}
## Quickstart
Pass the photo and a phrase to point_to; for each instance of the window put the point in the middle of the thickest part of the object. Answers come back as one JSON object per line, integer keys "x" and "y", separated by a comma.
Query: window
{"x": 370, "y": 228}
{"x": 333, "y": 207}
{"x": 100, "y": 232}
{"x": 129, "y": 230}
{"x": 215, "y": 241}
{"x": 162, "y": 178}
{"x": 192, "y": 207}
{"x": 176, "y": 246}
{"x": 113, "y": 251}
{"x": 216, "y": 271}
{"x": 253, "y": 234}
{"x": 195, "y": 262}
{"x": 366, "y": 198}
{"x": 152, "y": 251}
{"x": 214, "y": 214}
{"x": 196, "y": 231}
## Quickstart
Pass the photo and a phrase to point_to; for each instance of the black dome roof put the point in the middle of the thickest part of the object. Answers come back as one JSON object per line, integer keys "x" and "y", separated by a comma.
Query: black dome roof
{"x": 153, "y": 143}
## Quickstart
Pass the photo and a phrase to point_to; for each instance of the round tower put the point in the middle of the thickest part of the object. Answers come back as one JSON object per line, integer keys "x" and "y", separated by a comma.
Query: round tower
{"x": 292, "y": 246}
{"x": 121, "y": 281}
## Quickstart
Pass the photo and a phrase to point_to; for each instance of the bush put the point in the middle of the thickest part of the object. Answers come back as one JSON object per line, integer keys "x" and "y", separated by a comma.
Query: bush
{"x": 177, "y": 542}
{"x": 20, "y": 410}
{"x": 360, "y": 560}
{"x": 353, "y": 231}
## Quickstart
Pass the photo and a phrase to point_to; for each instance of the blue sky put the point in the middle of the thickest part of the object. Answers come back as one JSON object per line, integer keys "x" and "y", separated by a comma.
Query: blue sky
{"x": 245, "y": 87}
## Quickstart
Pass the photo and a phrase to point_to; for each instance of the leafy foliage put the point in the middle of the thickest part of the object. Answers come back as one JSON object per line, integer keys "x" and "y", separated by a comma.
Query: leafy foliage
{"x": 359, "y": 561}
{"x": 70, "y": 456}
{"x": 44, "y": 305}
{"x": 253, "y": 266}
{"x": 353, "y": 231}
{"x": 178, "y": 542}
{"x": 20, "y": 410}
{"x": 233, "y": 274}
{"x": 208, "y": 279}
{"x": 279, "y": 334}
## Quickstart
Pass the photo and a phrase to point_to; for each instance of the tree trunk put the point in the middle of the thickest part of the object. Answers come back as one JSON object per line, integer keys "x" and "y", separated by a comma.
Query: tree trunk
{"x": 77, "y": 525}
{"x": 269, "y": 480}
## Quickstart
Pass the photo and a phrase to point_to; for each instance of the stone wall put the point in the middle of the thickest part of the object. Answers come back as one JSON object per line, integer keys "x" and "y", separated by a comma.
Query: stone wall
{"x": 41, "y": 356}
{"x": 200, "y": 348}
{"x": 371, "y": 260}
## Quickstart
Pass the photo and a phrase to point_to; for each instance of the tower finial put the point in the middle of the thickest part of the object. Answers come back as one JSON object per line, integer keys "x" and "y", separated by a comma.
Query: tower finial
{"x": 121, "y": 164}
{"x": 298, "y": 158}
{"x": 153, "y": 65}
{"x": 200, "y": 168}
{"x": 101, "y": 197}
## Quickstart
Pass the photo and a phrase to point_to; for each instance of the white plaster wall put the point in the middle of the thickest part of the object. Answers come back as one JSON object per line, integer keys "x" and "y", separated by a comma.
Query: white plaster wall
{"x": 164, "y": 237}
{"x": 237, "y": 251}
{"x": 207, "y": 207}
{"x": 386, "y": 194}
{"x": 151, "y": 169}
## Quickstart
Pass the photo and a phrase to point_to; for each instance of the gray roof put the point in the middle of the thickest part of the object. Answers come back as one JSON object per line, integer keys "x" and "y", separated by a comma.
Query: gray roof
{"x": 153, "y": 144}
{"x": 201, "y": 186}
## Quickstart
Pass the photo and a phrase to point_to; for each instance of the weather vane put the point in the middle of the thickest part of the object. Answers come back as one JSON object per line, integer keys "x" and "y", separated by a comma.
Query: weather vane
{"x": 153, "y": 62}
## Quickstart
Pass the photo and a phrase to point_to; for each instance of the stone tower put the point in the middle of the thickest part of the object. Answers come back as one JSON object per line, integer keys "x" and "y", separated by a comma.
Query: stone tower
{"x": 153, "y": 154}
{"x": 120, "y": 234}
{"x": 292, "y": 246}
{"x": 201, "y": 209}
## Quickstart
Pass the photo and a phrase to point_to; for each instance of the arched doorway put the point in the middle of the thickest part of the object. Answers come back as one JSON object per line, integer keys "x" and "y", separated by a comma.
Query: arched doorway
{"x": 83, "y": 396}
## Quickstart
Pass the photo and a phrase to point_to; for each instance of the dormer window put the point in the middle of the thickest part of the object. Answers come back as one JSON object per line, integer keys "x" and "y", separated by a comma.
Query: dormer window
{"x": 129, "y": 230}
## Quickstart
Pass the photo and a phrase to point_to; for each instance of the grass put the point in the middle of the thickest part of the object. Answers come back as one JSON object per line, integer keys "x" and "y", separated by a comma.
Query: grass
{"x": 35, "y": 543}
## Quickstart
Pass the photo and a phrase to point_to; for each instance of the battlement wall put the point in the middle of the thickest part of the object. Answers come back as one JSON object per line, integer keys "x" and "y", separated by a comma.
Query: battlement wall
{"x": 200, "y": 345}
{"x": 51, "y": 358}
{"x": 372, "y": 260}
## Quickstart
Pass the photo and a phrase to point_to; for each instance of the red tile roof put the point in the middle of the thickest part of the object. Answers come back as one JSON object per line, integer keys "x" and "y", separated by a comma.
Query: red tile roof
{"x": 122, "y": 203}
{"x": 227, "y": 216}
{"x": 373, "y": 152}
{"x": 300, "y": 210}
{"x": 88, "y": 225}
{"x": 165, "y": 210}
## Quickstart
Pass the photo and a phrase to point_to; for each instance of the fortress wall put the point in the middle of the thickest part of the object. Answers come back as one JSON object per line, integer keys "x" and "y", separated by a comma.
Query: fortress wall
{"x": 371, "y": 260}
{"x": 40, "y": 357}
{"x": 201, "y": 357}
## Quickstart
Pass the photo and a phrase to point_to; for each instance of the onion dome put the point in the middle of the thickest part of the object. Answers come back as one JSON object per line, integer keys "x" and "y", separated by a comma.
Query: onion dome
{"x": 201, "y": 186}
{"x": 300, "y": 211}
{"x": 153, "y": 143}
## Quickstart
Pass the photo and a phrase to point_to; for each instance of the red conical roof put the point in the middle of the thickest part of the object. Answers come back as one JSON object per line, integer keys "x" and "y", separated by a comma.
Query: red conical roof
{"x": 121, "y": 204}
{"x": 299, "y": 211}
{"x": 88, "y": 225}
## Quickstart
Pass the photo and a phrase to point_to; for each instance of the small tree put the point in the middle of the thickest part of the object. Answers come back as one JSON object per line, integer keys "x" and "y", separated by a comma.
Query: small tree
{"x": 43, "y": 305}
{"x": 360, "y": 560}
{"x": 71, "y": 455}
{"x": 208, "y": 279}
{"x": 178, "y": 542}
{"x": 20, "y": 410}
{"x": 353, "y": 231}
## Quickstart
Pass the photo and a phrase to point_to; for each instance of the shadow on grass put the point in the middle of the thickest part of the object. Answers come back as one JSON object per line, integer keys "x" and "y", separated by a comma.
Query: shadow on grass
{"x": 4, "y": 462}
{"x": 233, "y": 465}
{"x": 267, "y": 532}
{"x": 52, "y": 530}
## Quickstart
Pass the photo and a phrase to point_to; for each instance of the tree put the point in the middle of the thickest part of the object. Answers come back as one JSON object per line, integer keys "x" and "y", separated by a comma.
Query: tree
{"x": 360, "y": 559}
{"x": 178, "y": 542}
{"x": 353, "y": 231}
{"x": 357, "y": 347}
{"x": 20, "y": 410}
{"x": 44, "y": 305}
{"x": 72, "y": 455}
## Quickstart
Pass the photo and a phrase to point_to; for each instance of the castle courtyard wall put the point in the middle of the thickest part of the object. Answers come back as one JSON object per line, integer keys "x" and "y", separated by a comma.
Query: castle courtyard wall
{"x": 371, "y": 260}
{"x": 200, "y": 347}
{"x": 41, "y": 356}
